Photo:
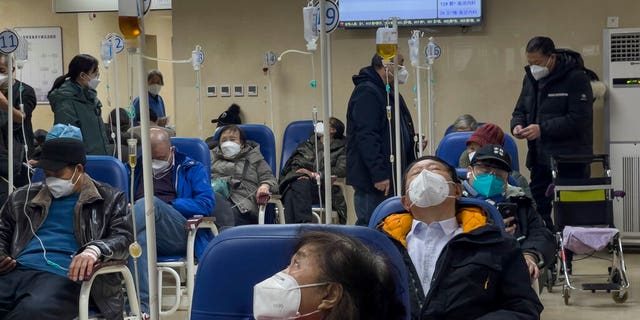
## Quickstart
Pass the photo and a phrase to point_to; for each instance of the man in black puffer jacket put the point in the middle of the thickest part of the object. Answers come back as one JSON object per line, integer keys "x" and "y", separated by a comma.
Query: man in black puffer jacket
{"x": 371, "y": 137}
{"x": 555, "y": 114}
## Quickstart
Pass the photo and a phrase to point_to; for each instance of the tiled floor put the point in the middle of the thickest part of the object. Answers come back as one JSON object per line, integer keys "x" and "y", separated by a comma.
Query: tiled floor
{"x": 583, "y": 305}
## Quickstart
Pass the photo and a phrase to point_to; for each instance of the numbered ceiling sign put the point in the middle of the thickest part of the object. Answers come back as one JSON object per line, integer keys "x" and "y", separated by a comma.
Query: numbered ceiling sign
{"x": 117, "y": 40}
{"x": 432, "y": 51}
{"x": 8, "y": 41}
{"x": 331, "y": 16}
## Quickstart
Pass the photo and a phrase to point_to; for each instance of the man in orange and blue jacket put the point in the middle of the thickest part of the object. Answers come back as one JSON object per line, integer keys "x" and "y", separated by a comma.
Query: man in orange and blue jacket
{"x": 461, "y": 265}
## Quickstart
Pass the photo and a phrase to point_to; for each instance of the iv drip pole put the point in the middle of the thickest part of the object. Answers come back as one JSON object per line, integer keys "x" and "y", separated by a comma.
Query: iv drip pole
{"x": 325, "y": 63}
{"x": 396, "y": 102}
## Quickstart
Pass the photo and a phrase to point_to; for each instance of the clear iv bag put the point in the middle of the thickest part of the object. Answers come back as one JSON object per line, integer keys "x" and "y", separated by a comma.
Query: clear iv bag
{"x": 310, "y": 18}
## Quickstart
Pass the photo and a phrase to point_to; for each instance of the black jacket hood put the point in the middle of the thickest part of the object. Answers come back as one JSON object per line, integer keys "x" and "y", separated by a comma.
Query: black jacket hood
{"x": 368, "y": 74}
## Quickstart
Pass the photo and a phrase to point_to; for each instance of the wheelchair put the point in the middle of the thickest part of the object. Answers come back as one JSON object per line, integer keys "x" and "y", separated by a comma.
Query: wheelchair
{"x": 583, "y": 216}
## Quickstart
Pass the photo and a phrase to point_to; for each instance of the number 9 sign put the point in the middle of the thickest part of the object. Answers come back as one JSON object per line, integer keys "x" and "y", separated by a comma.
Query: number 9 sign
{"x": 8, "y": 41}
{"x": 331, "y": 16}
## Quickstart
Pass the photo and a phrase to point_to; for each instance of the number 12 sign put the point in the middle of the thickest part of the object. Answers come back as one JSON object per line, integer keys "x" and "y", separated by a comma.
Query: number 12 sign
{"x": 8, "y": 41}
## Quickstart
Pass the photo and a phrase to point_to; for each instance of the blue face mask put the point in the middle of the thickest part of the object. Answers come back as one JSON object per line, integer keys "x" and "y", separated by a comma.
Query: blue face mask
{"x": 488, "y": 185}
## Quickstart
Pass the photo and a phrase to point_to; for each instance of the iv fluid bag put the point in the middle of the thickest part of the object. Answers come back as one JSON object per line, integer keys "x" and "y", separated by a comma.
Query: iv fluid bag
{"x": 310, "y": 18}
{"x": 128, "y": 19}
{"x": 106, "y": 52}
{"x": 414, "y": 50}
{"x": 386, "y": 43}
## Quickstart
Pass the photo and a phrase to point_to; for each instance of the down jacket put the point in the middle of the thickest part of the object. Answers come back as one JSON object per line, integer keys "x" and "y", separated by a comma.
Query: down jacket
{"x": 110, "y": 230}
{"x": 243, "y": 173}
{"x": 562, "y": 104}
{"x": 480, "y": 274}
{"x": 80, "y": 107}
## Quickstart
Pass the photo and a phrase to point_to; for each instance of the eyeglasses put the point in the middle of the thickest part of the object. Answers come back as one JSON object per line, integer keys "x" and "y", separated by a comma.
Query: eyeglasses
{"x": 489, "y": 169}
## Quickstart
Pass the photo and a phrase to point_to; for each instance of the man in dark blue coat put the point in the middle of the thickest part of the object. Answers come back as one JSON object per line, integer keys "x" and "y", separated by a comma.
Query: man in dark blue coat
{"x": 371, "y": 136}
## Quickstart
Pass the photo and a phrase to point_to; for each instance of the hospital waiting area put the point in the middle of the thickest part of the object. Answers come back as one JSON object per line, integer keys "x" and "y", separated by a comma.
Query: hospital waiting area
{"x": 326, "y": 159}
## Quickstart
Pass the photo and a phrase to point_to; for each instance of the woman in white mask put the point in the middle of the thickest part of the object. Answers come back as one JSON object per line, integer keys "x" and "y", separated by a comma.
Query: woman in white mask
{"x": 74, "y": 101}
{"x": 331, "y": 276}
{"x": 239, "y": 176}
{"x": 155, "y": 82}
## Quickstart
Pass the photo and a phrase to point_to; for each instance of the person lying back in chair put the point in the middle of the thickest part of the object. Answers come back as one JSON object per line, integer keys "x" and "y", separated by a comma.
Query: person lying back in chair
{"x": 461, "y": 266}
{"x": 52, "y": 234}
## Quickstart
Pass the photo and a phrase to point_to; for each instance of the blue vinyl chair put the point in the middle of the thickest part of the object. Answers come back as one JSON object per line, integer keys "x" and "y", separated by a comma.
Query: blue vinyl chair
{"x": 295, "y": 133}
{"x": 393, "y": 205}
{"x": 243, "y": 256}
{"x": 195, "y": 149}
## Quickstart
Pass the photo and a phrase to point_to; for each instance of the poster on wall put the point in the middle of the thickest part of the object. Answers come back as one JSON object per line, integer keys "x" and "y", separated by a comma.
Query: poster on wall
{"x": 45, "y": 60}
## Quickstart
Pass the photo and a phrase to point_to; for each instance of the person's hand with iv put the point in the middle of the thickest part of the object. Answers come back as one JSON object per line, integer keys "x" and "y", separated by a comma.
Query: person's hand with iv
{"x": 425, "y": 142}
{"x": 82, "y": 265}
{"x": 7, "y": 264}
{"x": 263, "y": 190}
{"x": 306, "y": 172}
{"x": 532, "y": 266}
{"x": 510, "y": 224}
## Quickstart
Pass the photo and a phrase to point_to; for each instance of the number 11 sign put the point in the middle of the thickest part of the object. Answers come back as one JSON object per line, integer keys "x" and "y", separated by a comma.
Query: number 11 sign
{"x": 8, "y": 41}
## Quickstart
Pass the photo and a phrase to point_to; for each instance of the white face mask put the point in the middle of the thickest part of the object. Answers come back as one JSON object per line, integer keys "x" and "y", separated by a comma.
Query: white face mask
{"x": 319, "y": 129}
{"x": 403, "y": 75}
{"x": 230, "y": 149}
{"x": 160, "y": 166}
{"x": 93, "y": 83}
{"x": 154, "y": 89}
{"x": 61, "y": 187}
{"x": 3, "y": 78}
{"x": 539, "y": 72}
{"x": 429, "y": 189}
{"x": 278, "y": 297}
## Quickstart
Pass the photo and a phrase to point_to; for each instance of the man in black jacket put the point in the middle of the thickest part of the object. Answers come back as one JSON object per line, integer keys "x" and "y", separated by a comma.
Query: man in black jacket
{"x": 52, "y": 234}
{"x": 461, "y": 266}
{"x": 371, "y": 136}
{"x": 487, "y": 179}
{"x": 555, "y": 114}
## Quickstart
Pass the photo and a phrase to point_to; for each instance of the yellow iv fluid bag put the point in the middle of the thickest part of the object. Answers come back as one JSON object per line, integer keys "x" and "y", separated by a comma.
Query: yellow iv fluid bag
{"x": 128, "y": 20}
{"x": 386, "y": 43}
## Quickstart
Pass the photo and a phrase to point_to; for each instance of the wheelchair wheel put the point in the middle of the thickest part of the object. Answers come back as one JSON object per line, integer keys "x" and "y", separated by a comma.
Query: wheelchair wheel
{"x": 620, "y": 296}
{"x": 551, "y": 279}
{"x": 566, "y": 294}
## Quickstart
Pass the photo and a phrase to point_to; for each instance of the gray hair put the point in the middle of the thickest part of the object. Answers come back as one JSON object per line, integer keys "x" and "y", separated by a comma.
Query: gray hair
{"x": 465, "y": 121}
{"x": 155, "y": 72}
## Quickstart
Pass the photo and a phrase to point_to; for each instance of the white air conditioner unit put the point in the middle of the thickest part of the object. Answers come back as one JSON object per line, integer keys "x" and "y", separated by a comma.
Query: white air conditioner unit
{"x": 621, "y": 72}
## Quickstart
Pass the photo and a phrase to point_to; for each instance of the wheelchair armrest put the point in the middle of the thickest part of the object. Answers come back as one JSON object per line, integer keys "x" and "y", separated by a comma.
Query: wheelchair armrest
{"x": 196, "y": 221}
